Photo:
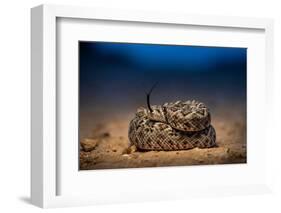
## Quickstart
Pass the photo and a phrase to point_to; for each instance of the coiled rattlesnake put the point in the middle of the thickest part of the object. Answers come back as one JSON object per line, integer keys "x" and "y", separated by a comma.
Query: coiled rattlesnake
{"x": 173, "y": 126}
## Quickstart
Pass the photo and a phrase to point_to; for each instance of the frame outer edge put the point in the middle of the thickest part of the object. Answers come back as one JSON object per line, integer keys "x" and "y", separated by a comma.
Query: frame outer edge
{"x": 49, "y": 106}
{"x": 157, "y": 17}
{"x": 270, "y": 101}
{"x": 37, "y": 106}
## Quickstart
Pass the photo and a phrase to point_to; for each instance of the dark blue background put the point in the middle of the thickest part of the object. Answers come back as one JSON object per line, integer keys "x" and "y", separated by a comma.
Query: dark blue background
{"x": 117, "y": 75}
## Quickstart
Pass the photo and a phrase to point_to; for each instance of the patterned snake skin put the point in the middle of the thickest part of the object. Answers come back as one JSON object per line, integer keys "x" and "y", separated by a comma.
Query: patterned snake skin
{"x": 172, "y": 126}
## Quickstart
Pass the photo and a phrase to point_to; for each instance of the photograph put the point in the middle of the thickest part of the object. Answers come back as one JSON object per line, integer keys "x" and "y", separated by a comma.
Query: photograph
{"x": 157, "y": 105}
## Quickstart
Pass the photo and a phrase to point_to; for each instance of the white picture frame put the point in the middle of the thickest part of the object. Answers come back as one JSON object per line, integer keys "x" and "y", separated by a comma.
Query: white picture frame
{"x": 45, "y": 155}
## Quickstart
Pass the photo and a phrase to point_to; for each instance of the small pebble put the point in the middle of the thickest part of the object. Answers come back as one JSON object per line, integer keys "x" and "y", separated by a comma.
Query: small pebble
{"x": 106, "y": 134}
{"x": 89, "y": 144}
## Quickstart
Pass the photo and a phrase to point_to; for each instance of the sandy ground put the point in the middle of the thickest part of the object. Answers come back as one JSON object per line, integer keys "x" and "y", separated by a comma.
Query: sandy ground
{"x": 105, "y": 145}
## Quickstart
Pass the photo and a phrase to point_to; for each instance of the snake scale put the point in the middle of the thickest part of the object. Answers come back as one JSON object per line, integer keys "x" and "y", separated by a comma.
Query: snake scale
{"x": 172, "y": 126}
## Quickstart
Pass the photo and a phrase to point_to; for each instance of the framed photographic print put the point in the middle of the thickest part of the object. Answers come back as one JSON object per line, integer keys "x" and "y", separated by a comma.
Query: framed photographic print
{"x": 151, "y": 106}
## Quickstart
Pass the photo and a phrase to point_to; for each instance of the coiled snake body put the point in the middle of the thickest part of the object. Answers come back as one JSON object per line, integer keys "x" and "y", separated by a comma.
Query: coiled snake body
{"x": 172, "y": 126}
